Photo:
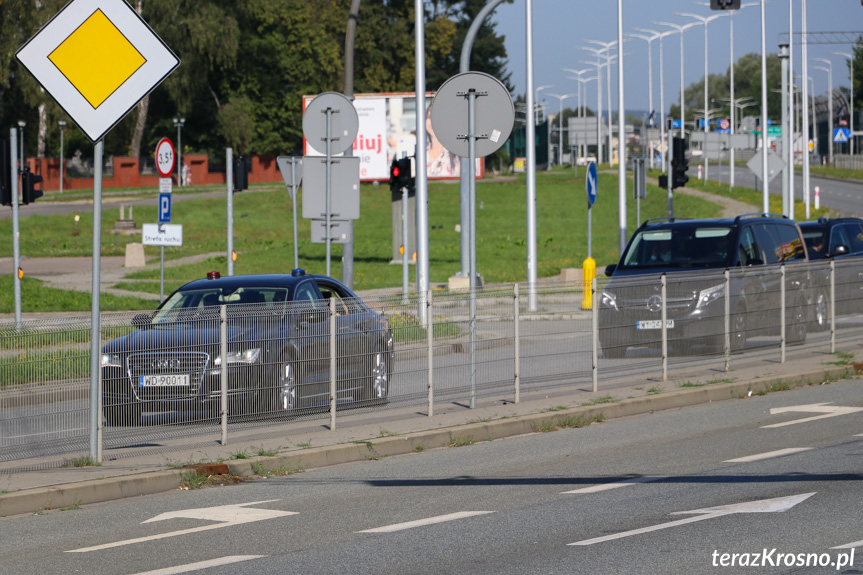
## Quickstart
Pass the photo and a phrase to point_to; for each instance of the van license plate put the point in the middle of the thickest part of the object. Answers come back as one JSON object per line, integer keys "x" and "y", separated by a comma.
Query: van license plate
{"x": 654, "y": 324}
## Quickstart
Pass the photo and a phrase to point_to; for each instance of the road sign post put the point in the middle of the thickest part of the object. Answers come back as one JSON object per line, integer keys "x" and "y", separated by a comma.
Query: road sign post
{"x": 67, "y": 58}
{"x": 291, "y": 168}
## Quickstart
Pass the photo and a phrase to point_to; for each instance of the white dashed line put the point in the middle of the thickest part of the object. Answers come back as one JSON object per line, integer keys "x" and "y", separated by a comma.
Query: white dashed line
{"x": 201, "y": 565}
{"x": 608, "y": 486}
{"x": 428, "y": 521}
{"x": 768, "y": 455}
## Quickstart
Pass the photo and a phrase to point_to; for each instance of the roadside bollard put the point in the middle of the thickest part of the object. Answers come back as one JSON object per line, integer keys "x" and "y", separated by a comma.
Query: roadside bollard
{"x": 588, "y": 269}
{"x": 817, "y": 197}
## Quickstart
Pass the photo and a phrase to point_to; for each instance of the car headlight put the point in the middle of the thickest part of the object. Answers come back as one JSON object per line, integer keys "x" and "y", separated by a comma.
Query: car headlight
{"x": 609, "y": 300}
{"x": 708, "y": 295}
{"x": 241, "y": 356}
{"x": 111, "y": 360}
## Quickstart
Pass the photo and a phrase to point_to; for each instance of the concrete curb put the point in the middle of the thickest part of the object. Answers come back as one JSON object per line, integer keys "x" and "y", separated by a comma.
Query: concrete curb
{"x": 108, "y": 489}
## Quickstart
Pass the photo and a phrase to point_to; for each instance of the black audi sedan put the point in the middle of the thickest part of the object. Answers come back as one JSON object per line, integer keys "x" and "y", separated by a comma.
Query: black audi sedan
{"x": 277, "y": 334}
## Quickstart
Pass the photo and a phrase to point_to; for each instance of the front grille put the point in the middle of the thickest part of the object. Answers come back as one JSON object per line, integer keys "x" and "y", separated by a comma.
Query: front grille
{"x": 167, "y": 363}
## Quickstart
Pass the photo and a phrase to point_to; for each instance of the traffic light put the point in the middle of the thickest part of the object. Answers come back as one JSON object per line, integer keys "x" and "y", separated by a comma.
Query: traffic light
{"x": 5, "y": 174}
{"x": 725, "y": 4}
{"x": 242, "y": 167}
{"x": 29, "y": 193}
{"x": 401, "y": 175}
{"x": 679, "y": 163}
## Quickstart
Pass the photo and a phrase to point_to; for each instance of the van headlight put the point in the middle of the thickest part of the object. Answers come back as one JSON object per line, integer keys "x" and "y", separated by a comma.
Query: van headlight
{"x": 708, "y": 295}
{"x": 609, "y": 300}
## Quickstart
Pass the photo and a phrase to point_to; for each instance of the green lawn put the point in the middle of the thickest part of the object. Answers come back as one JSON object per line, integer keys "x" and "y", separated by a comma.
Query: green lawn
{"x": 263, "y": 235}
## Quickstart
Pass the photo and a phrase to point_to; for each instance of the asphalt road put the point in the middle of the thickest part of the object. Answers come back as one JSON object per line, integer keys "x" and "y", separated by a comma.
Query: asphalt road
{"x": 843, "y": 196}
{"x": 671, "y": 492}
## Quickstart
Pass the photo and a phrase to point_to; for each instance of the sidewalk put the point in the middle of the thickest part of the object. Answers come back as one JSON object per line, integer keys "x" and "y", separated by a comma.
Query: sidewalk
{"x": 370, "y": 434}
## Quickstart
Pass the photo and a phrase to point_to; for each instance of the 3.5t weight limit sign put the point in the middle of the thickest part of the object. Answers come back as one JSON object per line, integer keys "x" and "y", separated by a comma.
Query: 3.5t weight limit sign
{"x": 165, "y": 157}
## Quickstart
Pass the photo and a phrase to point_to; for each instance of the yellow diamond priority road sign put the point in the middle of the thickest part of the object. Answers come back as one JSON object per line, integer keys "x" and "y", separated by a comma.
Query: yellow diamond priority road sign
{"x": 98, "y": 59}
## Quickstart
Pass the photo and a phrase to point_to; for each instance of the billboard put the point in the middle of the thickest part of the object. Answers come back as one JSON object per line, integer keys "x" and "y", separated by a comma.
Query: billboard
{"x": 387, "y": 130}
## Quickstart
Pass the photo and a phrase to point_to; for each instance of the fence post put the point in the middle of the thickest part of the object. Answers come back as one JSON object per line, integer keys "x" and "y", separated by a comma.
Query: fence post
{"x": 430, "y": 333}
{"x": 595, "y": 334}
{"x": 663, "y": 294}
{"x": 782, "y": 314}
{"x": 832, "y": 306}
{"x": 223, "y": 353}
{"x": 99, "y": 426}
{"x": 517, "y": 351}
{"x": 727, "y": 328}
{"x": 332, "y": 364}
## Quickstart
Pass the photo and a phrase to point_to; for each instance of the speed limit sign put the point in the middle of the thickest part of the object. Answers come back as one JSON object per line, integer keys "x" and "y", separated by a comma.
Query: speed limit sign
{"x": 165, "y": 157}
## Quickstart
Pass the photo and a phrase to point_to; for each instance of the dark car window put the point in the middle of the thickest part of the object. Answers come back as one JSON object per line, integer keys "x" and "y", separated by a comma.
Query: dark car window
{"x": 307, "y": 294}
{"x": 854, "y": 233}
{"x": 816, "y": 241}
{"x": 345, "y": 298}
{"x": 790, "y": 246}
{"x": 768, "y": 243}
{"x": 748, "y": 249}
{"x": 838, "y": 237}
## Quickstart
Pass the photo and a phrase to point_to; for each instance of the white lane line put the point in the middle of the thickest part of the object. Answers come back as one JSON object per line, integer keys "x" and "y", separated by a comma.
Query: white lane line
{"x": 849, "y": 545}
{"x": 201, "y": 565}
{"x": 768, "y": 455}
{"x": 608, "y": 486}
{"x": 422, "y": 522}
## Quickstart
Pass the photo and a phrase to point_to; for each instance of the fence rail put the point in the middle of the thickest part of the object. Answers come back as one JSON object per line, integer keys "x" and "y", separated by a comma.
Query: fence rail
{"x": 235, "y": 369}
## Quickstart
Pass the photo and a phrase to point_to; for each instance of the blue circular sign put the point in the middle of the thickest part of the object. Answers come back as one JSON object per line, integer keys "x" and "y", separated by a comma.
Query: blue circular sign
{"x": 591, "y": 183}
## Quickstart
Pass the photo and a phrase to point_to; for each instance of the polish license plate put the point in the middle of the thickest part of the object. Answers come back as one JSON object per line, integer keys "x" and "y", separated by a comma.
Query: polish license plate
{"x": 180, "y": 380}
{"x": 654, "y": 324}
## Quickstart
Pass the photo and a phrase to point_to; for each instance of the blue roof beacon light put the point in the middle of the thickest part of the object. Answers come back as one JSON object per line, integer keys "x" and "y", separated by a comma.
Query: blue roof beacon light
{"x": 298, "y": 272}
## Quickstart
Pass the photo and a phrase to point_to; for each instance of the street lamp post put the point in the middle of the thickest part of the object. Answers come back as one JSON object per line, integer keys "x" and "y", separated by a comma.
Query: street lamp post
{"x": 606, "y": 48}
{"x": 680, "y": 29}
{"x": 560, "y": 97}
{"x": 62, "y": 124}
{"x": 536, "y": 120}
{"x": 598, "y": 65}
{"x": 579, "y": 111}
{"x": 649, "y": 39}
{"x": 178, "y": 123}
{"x": 851, "y": 111}
{"x": 829, "y": 70}
{"x": 705, "y": 20}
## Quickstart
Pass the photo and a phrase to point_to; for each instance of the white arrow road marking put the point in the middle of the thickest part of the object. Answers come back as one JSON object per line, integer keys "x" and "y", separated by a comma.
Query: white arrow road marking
{"x": 825, "y": 409}
{"x": 768, "y": 455}
{"x": 776, "y": 505}
{"x": 225, "y": 515}
{"x": 608, "y": 486}
{"x": 428, "y": 521}
{"x": 849, "y": 545}
{"x": 201, "y": 565}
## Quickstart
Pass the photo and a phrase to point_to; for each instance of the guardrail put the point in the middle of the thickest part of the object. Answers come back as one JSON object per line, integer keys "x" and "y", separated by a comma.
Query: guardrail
{"x": 299, "y": 367}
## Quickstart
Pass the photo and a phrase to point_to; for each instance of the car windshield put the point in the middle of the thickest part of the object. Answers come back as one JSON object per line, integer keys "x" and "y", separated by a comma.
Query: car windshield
{"x": 680, "y": 246}
{"x": 178, "y": 306}
{"x": 816, "y": 241}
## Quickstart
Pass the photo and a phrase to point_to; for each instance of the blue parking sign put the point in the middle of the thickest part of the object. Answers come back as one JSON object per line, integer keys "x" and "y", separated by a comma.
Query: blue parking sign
{"x": 164, "y": 208}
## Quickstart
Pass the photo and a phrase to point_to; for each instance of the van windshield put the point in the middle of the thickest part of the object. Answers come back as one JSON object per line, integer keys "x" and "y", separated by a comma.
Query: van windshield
{"x": 680, "y": 246}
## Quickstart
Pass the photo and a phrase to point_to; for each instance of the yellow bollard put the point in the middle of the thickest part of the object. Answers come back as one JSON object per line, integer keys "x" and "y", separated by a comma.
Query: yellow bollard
{"x": 588, "y": 269}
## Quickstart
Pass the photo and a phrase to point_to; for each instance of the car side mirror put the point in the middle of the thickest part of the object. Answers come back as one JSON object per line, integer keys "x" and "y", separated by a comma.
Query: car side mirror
{"x": 609, "y": 269}
{"x": 142, "y": 320}
{"x": 840, "y": 250}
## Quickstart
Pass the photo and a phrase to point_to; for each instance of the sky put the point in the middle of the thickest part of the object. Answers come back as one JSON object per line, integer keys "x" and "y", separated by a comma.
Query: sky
{"x": 561, "y": 26}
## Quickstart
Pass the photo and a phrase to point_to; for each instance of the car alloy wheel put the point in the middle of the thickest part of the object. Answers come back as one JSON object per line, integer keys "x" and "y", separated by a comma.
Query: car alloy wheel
{"x": 738, "y": 330}
{"x": 380, "y": 375}
{"x": 287, "y": 391}
{"x": 821, "y": 312}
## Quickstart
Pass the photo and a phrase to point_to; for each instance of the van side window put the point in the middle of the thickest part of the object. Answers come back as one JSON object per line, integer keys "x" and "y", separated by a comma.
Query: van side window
{"x": 854, "y": 233}
{"x": 748, "y": 249}
{"x": 768, "y": 243}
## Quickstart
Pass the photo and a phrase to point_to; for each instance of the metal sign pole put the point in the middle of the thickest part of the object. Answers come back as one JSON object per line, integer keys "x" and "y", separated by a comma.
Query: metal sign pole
{"x": 329, "y": 113}
{"x": 95, "y": 323}
{"x": 16, "y": 242}
{"x": 294, "y": 200}
{"x": 161, "y": 270}
{"x": 229, "y": 175}
{"x": 471, "y": 135}
{"x": 405, "y": 265}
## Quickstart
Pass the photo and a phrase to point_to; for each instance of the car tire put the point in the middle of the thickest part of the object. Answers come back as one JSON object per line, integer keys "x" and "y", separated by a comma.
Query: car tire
{"x": 123, "y": 415}
{"x": 380, "y": 373}
{"x": 820, "y": 312}
{"x": 796, "y": 324}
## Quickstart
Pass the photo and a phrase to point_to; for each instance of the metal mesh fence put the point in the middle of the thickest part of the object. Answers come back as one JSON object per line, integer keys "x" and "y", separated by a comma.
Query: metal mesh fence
{"x": 255, "y": 367}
